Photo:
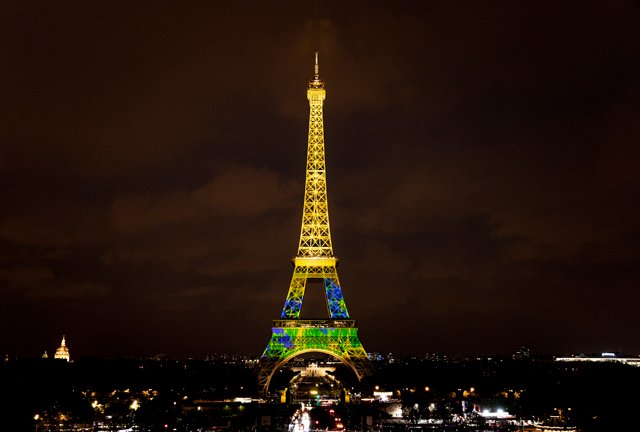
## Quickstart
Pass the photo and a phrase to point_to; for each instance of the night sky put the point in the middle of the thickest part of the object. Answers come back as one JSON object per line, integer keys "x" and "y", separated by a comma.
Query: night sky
{"x": 483, "y": 169}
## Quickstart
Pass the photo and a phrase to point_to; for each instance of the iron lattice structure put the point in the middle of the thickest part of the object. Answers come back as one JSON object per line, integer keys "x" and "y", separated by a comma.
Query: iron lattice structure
{"x": 337, "y": 335}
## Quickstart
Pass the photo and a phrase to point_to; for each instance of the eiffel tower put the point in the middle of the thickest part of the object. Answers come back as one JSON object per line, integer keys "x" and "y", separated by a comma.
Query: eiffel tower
{"x": 336, "y": 335}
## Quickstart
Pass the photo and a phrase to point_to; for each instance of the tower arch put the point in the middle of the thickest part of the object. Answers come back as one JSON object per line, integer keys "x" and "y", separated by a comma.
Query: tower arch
{"x": 333, "y": 353}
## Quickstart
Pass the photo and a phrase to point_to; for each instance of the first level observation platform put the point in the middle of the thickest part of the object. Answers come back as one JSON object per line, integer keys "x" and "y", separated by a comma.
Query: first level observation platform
{"x": 314, "y": 323}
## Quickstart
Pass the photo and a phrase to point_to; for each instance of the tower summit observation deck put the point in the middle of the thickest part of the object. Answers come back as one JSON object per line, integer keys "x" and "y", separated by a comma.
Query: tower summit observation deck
{"x": 336, "y": 335}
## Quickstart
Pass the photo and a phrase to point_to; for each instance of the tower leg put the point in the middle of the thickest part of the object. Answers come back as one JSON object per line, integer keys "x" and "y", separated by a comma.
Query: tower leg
{"x": 293, "y": 303}
{"x": 335, "y": 302}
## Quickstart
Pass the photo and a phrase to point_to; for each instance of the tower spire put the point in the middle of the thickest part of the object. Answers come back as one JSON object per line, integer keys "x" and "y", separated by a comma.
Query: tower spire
{"x": 316, "y": 69}
{"x": 316, "y": 82}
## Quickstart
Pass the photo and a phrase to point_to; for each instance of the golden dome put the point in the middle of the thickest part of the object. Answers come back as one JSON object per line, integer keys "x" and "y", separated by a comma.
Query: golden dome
{"x": 62, "y": 352}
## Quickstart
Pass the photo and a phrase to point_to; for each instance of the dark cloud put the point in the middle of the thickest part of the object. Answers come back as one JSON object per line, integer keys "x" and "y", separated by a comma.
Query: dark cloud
{"x": 239, "y": 192}
{"x": 482, "y": 163}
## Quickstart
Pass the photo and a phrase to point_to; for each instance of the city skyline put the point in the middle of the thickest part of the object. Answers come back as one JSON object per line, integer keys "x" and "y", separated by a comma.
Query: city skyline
{"x": 152, "y": 174}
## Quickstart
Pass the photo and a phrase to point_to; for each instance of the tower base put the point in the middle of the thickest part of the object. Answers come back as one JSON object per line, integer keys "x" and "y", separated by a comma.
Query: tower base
{"x": 293, "y": 337}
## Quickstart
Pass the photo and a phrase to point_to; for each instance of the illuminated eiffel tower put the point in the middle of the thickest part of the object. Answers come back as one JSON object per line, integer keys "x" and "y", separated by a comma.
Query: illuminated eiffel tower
{"x": 336, "y": 335}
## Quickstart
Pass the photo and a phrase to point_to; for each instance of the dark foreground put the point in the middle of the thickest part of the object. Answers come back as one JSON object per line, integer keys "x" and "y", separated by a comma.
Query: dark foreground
{"x": 418, "y": 394}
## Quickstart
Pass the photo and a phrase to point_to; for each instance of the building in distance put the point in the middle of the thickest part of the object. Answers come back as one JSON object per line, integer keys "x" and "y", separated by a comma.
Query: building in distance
{"x": 603, "y": 357}
{"x": 62, "y": 353}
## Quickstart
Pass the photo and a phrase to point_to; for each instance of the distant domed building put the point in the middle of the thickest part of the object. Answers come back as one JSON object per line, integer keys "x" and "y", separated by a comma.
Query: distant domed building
{"x": 62, "y": 352}
{"x": 45, "y": 355}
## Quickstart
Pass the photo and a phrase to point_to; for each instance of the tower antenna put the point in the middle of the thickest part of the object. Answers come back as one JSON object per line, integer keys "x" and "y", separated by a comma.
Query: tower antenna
{"x": 317, "y": 68}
